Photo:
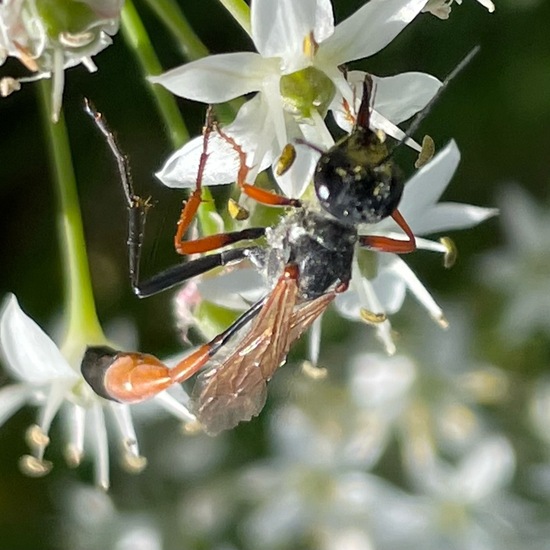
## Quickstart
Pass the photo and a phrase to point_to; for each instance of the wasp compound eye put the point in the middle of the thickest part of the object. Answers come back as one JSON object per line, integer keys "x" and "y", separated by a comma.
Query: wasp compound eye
{"x": 95, "y": 363}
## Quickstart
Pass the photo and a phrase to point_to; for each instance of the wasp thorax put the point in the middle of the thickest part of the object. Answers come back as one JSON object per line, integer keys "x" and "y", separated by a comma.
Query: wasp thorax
{"x": 354, "y": 182}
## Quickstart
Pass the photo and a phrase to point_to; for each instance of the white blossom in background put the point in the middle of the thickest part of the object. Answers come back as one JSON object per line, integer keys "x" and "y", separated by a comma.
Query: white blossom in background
{"x": 442, "y": 8}
{"x": 431, "y": 404}
{"x": 313, "y": 488}
{"x": 465, "y": 505}
{"x": 296, "y": 74}
{"x": 52, "y": 382}
{"x": 520, "y": 271}
{"x": 49, "y": 37}
{"x": 91, "y": 520}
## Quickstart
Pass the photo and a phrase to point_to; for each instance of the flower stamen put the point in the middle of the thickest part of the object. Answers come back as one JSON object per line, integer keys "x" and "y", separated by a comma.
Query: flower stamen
{"x": 449, "y": 257}
{"x": 34, "y": 467}
{"x": 310, "y": 46}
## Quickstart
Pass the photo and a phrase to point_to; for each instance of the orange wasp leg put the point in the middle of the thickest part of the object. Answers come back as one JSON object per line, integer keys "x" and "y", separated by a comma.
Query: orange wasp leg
{"x": 387, "y": 244}
{"x": 190, "y": 207}
{"x": 259, "y": 195}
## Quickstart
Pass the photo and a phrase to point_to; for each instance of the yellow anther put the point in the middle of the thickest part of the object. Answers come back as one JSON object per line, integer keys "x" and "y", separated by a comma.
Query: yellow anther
{"x": 134, "y": 464}
{"x": 427, "y": 152}
{"x": 34, "y": 467}
{"x": 73, "y": 455}
{"x": 451, "y": 253}
{"x": 315, "y": 373}
{"x": 35, "y": 437}
{"x": 371, "y": 317}
{"x": 309, "y": 46}
{"x": 236, "y": 211}
{"x": 286, "y": 160}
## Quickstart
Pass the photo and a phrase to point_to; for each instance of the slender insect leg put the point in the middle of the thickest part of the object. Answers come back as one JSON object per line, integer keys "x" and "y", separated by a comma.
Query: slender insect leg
{"x": 189, "y": 210}
{"x": 180, "y": 273}
{"x": 259, "y": 195}
{"x": 191, "y": 205}
{"x": 136, "y": 206}
{"x": 388, "y": 244}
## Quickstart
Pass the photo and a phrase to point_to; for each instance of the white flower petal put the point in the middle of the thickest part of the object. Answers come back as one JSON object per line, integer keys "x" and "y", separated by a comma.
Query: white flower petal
{"x": 12, "y": 398}
{"x": 400, "y": 97}
{"x": 487, "y": 469}
{"x": 294, "y": 182}
{"x": 396, "y": 98}
{"x": 380, "y": 122}
{"x": 175, "y": 407}
{"x": 235, "y": 289}
{"x": 379, "y": 381}
{"x": 425, "y": 187}
{"x": 56, "y": 395}
{"x": 29, "y": 353}
{"x": 101, "y": 445}
{"x": 218, "y": 78}
{"x": 419, "y": 291}
{"x": 447, "y": 216}
{"x": 279, "y": 29}
{"x": 389, "y": 287}
{"x": 223, "y": 163}
{"x": 368, "y": 30}
{"x": 123, "y": 418}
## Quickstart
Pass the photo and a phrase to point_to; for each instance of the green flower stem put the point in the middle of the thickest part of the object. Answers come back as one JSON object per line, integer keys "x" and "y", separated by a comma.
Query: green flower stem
{"x": 171, "y": 15}
{"x": 137, "y": 38}
{"x": 169, "y": 12}
{"x": 83, "y": 325}
{"x": 240, "y": 11}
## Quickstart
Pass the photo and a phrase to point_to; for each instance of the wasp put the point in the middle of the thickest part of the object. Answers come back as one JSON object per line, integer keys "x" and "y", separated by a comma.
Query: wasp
{"x": 306, "y": 260}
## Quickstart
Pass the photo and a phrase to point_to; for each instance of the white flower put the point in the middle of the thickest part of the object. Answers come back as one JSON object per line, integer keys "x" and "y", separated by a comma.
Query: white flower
{"x": 314, "y": 486}
{"x": 466, "y": 506}
{"x": 521, "y": 269}
{"x": 442, "y": 8}
{"x": 431, "y": 404}
{"x": 49, "y": 38}
{"x": 296, "y": 74}
{"x": 53, "y": 382}
{"x": 384, "y": 294}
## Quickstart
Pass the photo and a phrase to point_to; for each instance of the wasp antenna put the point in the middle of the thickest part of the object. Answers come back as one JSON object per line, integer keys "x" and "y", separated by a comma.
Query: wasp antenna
{"x": 300, "y": 141}
{"x": 419, "y": 118}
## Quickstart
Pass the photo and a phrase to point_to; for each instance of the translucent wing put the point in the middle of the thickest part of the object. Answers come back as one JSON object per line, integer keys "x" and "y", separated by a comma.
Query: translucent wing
{"x": 235, "y": 390}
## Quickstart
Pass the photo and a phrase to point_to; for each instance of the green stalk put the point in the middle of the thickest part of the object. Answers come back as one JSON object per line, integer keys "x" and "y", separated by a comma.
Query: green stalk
{"x": 240, "y": 11}
{"x": 173, "y": 18}
{"x": 82, "y": 326}
{"x": 137, "y": 38}
{"x": 171, "y": 15}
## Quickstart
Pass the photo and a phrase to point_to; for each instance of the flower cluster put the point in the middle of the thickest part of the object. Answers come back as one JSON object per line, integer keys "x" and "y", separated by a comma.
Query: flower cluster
{"x": 50, "y": 379}
{"x": 49, "y": 36}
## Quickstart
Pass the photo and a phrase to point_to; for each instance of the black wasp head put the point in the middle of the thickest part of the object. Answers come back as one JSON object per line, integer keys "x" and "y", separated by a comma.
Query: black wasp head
{"x": 356, "y": 181}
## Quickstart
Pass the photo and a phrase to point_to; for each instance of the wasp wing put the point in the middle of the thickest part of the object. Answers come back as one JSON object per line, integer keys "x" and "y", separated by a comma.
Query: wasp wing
{"x": 235, "y": 389}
